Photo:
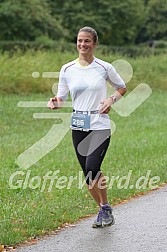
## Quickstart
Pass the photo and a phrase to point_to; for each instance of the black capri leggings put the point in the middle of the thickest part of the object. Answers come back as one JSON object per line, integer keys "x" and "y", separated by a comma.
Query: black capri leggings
{"x": 90, "y": 148}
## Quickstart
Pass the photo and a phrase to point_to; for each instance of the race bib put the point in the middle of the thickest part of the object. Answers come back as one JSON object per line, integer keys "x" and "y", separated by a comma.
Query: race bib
{"x": 80, "y": 121}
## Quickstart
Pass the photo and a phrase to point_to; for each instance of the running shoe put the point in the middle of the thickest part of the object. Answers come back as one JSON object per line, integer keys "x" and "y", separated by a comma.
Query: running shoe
{"x": 104, "y": 217}
{"x": 98, "y": 221}
{"x": 107, "y": 217}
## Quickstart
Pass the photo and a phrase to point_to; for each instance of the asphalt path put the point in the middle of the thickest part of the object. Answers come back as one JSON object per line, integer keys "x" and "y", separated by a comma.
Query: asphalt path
{"x": 140, "y": 225}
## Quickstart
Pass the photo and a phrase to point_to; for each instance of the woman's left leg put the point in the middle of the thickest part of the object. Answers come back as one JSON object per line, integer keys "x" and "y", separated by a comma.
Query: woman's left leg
{"x": 98, "y": 190}
{"x": 91, "y": 148}
{"x": 98, "y": 144}
{"x": 96, "y": 181}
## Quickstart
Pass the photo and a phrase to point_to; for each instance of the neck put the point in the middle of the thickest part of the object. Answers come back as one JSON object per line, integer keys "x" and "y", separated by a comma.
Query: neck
{"x": 85, "y": 59}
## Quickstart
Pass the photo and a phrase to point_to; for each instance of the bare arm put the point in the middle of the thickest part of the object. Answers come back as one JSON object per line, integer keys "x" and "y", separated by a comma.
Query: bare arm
{"x": 106, "y": 104}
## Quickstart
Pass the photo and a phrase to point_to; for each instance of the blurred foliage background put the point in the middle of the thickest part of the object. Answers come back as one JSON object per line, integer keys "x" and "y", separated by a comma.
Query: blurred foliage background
{"x": 50, "y": 23}
{"x": 40, "y": 35}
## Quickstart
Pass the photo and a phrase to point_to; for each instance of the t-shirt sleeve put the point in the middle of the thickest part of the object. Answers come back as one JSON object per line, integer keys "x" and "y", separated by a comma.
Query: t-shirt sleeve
{"x": 114, "y": 78}
{"x": 62, "y": 86}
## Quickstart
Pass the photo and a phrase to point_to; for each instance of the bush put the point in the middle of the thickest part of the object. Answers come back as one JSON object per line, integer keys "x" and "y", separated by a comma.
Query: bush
{"x": 133, "y": 51}
{"x": 41, "y": 43}
{"x": 16, "y": 70}
{"x": 45, "y": 43}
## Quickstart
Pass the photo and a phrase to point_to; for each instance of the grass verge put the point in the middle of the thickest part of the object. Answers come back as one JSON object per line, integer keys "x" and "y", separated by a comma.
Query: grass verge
{"x": 16, "y": 70}
{"x": 138, "y": 147}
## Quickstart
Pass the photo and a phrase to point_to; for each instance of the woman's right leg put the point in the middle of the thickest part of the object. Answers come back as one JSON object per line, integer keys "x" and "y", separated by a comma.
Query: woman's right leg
{"x": 77, "y": 137}
{"x": 95, "y": 194}
{"x": 99, "y": 190}
{"x": 91, "y": 164}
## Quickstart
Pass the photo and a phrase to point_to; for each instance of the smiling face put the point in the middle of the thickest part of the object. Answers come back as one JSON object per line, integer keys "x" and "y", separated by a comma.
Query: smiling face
{"x": 85, "y": 43}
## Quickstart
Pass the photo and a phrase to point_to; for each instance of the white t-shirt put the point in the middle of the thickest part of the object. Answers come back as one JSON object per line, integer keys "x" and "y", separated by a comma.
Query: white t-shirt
{"x": 88, "y": 87}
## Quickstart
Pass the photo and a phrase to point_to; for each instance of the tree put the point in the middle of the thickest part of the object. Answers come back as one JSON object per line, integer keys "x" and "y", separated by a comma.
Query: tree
{"x": 156, "y": 22}
{"x": 125, "y": 20}
{"x": 154, "y": 27}
{"x": 27, "y": 20}
{"x": 117, "y": 22}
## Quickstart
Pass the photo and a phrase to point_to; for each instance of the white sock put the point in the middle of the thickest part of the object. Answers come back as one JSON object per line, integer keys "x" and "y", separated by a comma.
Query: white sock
{"x": 104, "y": 204}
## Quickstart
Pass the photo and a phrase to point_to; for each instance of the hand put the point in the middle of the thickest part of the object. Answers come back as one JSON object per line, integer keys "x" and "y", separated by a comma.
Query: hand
{"x": 106, "y": 106}
{"x": 54, "y": 103}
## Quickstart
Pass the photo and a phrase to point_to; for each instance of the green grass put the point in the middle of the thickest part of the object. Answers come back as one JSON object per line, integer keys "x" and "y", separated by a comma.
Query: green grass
{"x": 139, "y": 144}
{"x": 16, "y": 70}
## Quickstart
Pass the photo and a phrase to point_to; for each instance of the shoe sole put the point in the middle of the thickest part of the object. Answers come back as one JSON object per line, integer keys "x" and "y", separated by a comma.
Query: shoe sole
{"x": 104, "y": 224}
{"x": 94, "y": 225}
{"x": 108, "y": 224}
